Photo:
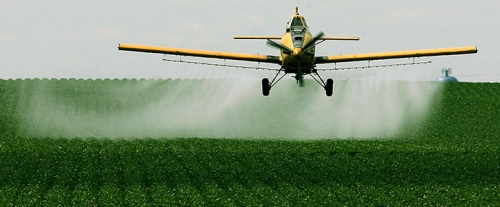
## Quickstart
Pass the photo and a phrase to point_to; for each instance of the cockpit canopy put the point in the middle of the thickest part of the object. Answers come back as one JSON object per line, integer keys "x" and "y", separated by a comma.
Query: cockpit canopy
{"x": 297, "y": 21}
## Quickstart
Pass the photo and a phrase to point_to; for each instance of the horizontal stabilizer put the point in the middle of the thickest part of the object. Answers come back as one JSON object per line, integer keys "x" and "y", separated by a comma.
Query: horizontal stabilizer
{"x": 279, "y": 37}
{"x": 257, "y": 37}
{"x": 340, "y": 38}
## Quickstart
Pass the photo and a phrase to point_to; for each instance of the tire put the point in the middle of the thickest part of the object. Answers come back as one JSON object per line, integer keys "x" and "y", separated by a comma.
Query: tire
{"x": 329, "y": 87}
{"x": 265, "y": 87}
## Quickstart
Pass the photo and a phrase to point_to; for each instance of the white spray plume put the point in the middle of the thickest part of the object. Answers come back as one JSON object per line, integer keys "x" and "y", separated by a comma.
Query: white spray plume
{"x": 216, "y": 108}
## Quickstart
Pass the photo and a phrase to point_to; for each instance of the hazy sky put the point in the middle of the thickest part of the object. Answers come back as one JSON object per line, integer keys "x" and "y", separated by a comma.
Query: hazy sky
{"x": 79, "y": 39}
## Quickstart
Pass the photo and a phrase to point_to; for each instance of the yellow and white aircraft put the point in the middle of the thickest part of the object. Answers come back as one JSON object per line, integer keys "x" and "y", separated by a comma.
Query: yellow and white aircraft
{"x": 297, "y": 56}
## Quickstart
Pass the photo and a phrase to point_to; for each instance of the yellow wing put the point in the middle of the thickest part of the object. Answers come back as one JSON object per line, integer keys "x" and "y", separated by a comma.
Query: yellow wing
{"x": 200, "y": 53}
{"x": 397, "y": 54}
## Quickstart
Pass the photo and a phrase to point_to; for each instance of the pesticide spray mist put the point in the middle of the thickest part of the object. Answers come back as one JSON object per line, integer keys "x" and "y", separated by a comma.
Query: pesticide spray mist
{"x": 217, "y": 108}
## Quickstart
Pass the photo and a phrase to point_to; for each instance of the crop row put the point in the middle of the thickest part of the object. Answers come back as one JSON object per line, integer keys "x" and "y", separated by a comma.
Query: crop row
{"x": 239, "y": 172}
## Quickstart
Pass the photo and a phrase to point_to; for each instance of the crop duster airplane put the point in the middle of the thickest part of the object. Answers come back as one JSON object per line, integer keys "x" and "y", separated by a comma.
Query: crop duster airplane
{"x": 297, "y": 54}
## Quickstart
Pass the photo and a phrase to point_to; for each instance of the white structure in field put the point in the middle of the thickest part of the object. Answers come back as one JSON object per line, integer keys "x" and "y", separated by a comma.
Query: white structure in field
{"x": 446, "y": 76}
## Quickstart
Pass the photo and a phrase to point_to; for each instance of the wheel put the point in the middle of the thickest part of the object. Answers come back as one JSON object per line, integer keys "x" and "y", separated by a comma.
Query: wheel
{"x": 265, "y": 87}
{"x": 329, "y": 87}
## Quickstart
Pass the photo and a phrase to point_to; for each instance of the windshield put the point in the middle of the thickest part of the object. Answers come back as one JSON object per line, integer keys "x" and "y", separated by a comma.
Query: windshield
{"x": 296, "y": 22}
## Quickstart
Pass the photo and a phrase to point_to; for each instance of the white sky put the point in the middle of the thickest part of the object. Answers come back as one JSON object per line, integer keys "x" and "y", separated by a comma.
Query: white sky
{"x": 79, "y": 39}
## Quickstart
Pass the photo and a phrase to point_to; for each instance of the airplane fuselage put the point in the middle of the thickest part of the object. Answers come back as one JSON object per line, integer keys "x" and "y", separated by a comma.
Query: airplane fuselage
{"x": 304, "y": 60}
{"x": 296, "y": 36}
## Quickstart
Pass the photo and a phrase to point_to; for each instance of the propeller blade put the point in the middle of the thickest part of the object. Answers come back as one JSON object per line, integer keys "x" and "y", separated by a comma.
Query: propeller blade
{"x": 279, "y": 46}
{"x": 311, "y": 43}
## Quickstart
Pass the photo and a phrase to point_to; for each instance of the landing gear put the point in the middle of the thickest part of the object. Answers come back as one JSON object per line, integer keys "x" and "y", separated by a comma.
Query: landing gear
{"x": 329, "y": 87}
{"x": 265, "y": 87}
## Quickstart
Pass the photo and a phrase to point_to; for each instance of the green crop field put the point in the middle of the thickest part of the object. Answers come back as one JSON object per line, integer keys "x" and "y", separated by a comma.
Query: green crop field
{"x": 451, "y": 159}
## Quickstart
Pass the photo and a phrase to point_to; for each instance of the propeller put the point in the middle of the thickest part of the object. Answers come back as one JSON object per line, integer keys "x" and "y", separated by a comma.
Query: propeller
{"x": 311, "y": 43}
{"x": 279, "y": 46}
{"x": 288, "y": 50}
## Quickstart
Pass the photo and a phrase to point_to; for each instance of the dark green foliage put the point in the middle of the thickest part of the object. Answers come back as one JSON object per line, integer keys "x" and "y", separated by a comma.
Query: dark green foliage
{"x": 461, "y": 113}
{"x": 451, "y": 160}
{"x": 218, "y": 171}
